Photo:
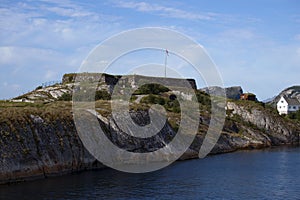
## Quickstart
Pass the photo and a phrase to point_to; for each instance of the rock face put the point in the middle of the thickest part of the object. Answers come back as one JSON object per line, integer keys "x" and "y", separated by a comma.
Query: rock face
{"x": 275, "y": 129}
{"x": 231, "y": 92}
{"x": 38, "y": 142}
{"x": 249, "y": 125}
{"x": 234, "y": 92}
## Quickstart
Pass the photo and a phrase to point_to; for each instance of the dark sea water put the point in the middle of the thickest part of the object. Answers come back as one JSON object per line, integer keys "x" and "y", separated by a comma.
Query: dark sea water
{"x": 257, "y": 174}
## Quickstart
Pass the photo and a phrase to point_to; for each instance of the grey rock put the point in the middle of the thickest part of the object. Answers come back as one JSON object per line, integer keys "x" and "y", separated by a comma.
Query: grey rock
{"x": 290, "y": 92}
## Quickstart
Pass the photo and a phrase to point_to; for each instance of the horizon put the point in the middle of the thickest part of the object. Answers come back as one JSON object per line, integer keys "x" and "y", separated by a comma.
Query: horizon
{"x": 255, "y": 45}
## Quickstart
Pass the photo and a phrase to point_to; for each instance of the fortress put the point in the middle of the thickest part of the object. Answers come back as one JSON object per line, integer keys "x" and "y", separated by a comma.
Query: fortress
{"x": 126, "y": 81}
{"x": 102, "y": 81}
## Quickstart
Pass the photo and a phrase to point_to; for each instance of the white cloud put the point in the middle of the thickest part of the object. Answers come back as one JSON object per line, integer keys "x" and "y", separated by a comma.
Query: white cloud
{"x": 24, "y": 68}
{"x": 53, "y": 24}
{"x": 164, "y": 11}
{"x": 14, "y": 55}
{"x": 69, "y": 12}
{"x": 42, "y": 40}
{"x": 237, "y": 34}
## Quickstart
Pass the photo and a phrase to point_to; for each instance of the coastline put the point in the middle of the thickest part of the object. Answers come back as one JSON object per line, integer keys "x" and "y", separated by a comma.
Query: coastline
{"x": 189, "y": 157}
{"x": 40, "y": 140}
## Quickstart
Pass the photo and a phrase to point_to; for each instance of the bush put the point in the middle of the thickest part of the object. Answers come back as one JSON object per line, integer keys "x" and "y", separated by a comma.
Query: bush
{"x": 203, "y": 98}
{"x": 65, "y": 97}
{"x": 294, "y": 115}
{"x": 38, "y": 87}
{"x": 173, "y": 106}
{"x": 85, "y": 95}
{"x": 103, "y": 95}
{"x": 133, "y": 98}
{"x": 153, "y": 99}
{"x": 170, "y": 105}
{"x": 152, "y": 88}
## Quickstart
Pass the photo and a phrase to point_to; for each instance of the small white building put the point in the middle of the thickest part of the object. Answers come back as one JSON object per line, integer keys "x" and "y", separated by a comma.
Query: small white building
{"x": 286, "y": 105}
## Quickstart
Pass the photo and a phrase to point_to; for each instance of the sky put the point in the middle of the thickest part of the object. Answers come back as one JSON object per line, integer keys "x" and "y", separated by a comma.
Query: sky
{"x": 254, "y": 44}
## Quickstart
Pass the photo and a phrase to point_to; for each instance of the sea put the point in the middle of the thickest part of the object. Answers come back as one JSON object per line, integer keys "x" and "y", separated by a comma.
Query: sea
{"x": 272, "y": 173}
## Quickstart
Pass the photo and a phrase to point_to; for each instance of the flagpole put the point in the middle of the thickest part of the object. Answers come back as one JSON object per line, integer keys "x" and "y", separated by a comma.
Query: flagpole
{"x": 166, "y": 56}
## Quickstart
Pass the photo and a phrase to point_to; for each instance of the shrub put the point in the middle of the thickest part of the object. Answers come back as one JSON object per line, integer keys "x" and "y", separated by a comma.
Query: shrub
{"x": 294, "y": 115}
{"x": 103, "y": 95}
{"x": 133, "y": 98}
{"x": 173, "y": 106}
{"x": 152, "y": 88}
{"x": 86, "y": 95}
{"x": 153, "y": 99}
{"x": 65, "y": 97}
{"x": 203, "y": 98}
{"x": 38, "y": 87}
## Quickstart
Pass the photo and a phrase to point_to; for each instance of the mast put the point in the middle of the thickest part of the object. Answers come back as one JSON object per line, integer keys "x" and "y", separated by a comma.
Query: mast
{"x": 166, "y": 59}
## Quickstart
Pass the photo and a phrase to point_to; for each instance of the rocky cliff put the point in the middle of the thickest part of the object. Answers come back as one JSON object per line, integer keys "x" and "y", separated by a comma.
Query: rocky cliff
{"x": 40, "y": 140}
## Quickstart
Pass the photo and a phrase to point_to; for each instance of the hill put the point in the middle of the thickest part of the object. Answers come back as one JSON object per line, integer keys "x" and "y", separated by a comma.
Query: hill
{"x": 292, "y": 92}
{"x": 40, "y": 139}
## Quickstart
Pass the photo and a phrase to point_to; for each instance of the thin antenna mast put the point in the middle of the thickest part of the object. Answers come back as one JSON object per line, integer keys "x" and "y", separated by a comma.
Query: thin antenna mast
{"x": 166, "y": 59}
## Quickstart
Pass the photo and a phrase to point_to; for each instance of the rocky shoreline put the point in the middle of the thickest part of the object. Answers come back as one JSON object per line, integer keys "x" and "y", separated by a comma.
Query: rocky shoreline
{"x": 40, "y": 142}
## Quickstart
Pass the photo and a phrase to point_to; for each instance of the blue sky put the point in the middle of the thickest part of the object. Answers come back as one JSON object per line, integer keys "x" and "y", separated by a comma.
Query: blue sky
{"x": 255, "y": 44}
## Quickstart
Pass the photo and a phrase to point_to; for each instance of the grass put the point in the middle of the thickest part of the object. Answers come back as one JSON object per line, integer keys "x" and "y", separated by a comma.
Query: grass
{"x": 20, "y": 111}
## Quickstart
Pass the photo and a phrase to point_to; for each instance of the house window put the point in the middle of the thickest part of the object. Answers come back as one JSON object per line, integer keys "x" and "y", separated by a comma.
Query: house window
{"x": 281, "y": 101}
{"x": 290, "y": 107}
{"x": 294, "y": 107}
{"x": 279, "y": 106}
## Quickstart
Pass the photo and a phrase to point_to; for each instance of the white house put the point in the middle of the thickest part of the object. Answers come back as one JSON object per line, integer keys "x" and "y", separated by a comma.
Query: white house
{"x": 286, "y": 105}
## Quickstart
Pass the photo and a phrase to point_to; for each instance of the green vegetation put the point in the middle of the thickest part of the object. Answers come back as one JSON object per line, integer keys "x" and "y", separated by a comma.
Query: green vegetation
{"x": 65, "y": 97}
{"x": 133, "y": 98}
{"x": 153, "y": 99}
{"x": 203, "y": 98}
{"x": 38, "y": 87}
{"x": 294, "y": 115}
{"x": 85, "y": 96}
{"x": 170, "y": 105}
{"x": 102, "y": 95}
{"x": 169, "y": 101}
{"x": 69, "y": 78}
{"x": 249, "y": 105}
{"x": 174, "y": 121}
{"x": 19, "y": 113}
{"x": 152, "y": 88}
{"x": 296, "y": 87}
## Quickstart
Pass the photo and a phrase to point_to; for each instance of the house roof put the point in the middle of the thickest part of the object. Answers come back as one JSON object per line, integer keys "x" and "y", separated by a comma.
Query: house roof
{"x": 292, "y": 101}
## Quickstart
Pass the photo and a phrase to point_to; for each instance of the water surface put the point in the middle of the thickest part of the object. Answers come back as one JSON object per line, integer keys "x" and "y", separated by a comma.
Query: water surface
{"x": 257, "y": 174}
